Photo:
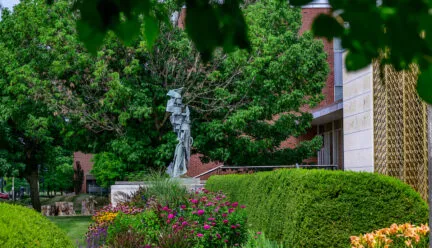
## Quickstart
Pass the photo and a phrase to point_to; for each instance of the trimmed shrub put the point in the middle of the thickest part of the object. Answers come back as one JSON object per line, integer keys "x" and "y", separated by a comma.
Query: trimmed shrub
{"x": 318, "y": 208}
{"x": 24, "y": 227}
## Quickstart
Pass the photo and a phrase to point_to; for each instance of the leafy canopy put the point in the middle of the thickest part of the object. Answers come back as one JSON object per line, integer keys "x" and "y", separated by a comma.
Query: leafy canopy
{"x": 401, "y": 30}
{"x": 33, "y": 136}
{"x": 244, "y": 104}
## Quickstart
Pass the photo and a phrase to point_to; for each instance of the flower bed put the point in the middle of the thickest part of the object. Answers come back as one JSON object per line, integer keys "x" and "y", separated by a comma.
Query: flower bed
{"x": 395, "y": 236}
{"x": 205, "y": 219}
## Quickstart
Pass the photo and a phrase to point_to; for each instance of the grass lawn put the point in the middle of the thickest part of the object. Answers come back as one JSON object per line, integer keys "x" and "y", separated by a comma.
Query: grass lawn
{"x": 74, "y": 226}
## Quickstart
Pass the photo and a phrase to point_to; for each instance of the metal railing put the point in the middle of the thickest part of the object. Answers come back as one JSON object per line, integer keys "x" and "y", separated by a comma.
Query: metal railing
{"x": 92, "y": 189}
{"x": 229, "y": 169}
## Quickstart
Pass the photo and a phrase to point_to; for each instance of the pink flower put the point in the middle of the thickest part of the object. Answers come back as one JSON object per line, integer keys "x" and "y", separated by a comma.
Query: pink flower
{"x": 170, "y": 216}
{"x": 200, "y": 235}
{"x": 225, "y": 221}
{"x": 183, "y": 206}
{"x": 211, "y": 219}
{"x": 230, "y": 210}
{"x": 206, "y": 227}
{"x": 184, "y": 223}
{"x": 224, "y": 215}
{"x": 259, "y": 233}
{"x": 226, "y": 240}
{"x": 165, "y": 208}
{"x": 213, "y": 223}
{"x": 227, "y": 203}
{"x": 174, "y": 226}
{"x": 216, "y": 209}
{"x": 200, "y": 212}
{"x": 218, "y": 235}
{"x": 243, "y": 206}
{"x": 235, "y": 204}
{"x": 194, "y": 201}
{"x": 233, "y": 227}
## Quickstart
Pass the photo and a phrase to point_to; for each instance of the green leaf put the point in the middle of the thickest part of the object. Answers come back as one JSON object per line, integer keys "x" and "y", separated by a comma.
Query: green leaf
{"x": 151, "y": 30}
{"x": 128, "y": 30}
{"x": 356, "y": 61}
{"x": 299, "y": 2}
{"x": 91, "y": 37}
{"x": 327, "y": 26}
{"x": 424, "y": 84}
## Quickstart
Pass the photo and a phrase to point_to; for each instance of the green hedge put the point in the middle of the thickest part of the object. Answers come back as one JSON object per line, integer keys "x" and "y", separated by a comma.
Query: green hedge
{"x": 318, "y": 208}
{"x": 24, "y": 227}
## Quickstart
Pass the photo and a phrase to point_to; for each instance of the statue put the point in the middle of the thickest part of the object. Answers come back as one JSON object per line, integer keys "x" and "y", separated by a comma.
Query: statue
{"x": 181, "y": 125}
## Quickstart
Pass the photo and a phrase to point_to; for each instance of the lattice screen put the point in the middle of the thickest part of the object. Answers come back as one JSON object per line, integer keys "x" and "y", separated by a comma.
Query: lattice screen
{"x": 400, "y": 127}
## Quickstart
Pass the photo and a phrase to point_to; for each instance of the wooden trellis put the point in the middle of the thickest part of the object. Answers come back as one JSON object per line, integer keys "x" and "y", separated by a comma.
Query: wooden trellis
{"x": 400, "y": 127}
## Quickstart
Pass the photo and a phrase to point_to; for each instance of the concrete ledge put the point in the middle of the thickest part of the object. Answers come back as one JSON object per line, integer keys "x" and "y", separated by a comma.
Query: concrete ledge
{"x": 122, "y": 189}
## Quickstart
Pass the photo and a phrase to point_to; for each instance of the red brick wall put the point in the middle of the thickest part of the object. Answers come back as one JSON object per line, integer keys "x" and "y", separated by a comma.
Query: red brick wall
{"x": 308, "y": 15}
{"x": 196, "y": 167}
{"x": 86, "y": 165}
{"x": 182, "y": 18}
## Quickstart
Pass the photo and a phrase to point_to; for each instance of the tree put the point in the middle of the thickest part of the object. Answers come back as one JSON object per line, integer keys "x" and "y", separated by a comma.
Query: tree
{"x": 368, "y": 29}
{"x": 78, "y": 178}
{"x": 234, "y": 98}
{"x": 30, "y": 130}
{"x": 120, "y": 94}
{"x": 57, "y": 171}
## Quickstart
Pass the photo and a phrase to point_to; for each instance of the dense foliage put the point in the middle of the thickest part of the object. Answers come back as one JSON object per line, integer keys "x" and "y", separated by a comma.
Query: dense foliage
{"x": 203, "y": 220}
{"x": 53, "y": 89}
{"x": 395, "y": 236}
{"x": 32, "y": 135}
{"x": 400, "y": 29}
{"x": 318, "y": 208}
{"x": 23, "y": 227}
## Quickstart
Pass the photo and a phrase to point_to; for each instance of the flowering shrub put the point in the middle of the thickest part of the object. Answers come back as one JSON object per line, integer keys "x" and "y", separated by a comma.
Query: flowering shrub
{"x": 97, "y": 232}
{"x": 204, "y": 220}
{"x": 405, "y": 235}
{"x": 209, "y": 220}
{"x": 130, "y": 231}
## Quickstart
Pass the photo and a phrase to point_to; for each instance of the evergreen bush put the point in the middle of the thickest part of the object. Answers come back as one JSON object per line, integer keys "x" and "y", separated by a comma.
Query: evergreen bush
{"x": 24, "y": 227}
{"x": 318, "y": 208}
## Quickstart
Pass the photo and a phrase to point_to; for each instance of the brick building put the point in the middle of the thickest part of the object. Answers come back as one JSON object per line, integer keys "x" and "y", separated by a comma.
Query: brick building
{"x": 85, "y": 162}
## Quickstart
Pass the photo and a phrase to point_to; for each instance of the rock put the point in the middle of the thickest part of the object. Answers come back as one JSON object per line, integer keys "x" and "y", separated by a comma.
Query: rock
{"x": 88, "y": 206}
{"x": 65, "y": 208}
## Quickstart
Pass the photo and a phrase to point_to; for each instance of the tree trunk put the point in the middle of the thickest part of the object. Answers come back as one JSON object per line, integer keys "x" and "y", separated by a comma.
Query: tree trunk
{"x": 33, "y": 180}
{"x": 429, "y": 120}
